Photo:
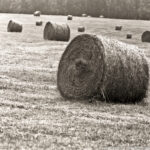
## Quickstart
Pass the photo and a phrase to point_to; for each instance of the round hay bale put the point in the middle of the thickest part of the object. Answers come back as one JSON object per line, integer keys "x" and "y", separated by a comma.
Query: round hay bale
{"x": 57, "y": 32}
{"x": 101, "y": 16}
{"x": 146, "y": 36}
{"x": 14, "y": 26}
{"x": 96, "y": 66}
{"x": 81, "y": 29}
{"x": 39, "y": 23}
{"x": 119, "y": 28}
{"x": 69, "y": 17}
{"x": 37, "y": 13}
{"x": 129, "y": 36}
{"x": 84, "y": 15}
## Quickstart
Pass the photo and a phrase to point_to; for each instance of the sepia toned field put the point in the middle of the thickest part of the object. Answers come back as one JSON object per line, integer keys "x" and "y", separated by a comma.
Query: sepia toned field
{"x": 33, "y": 115}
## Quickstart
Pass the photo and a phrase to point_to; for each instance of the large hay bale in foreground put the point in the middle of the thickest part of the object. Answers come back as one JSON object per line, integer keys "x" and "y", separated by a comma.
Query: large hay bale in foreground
{"x": 57, "y": 32}
{"x": 96, "y": 66}
{"x": 14, "y": 26}
{"x": 37, "y": 13}
{"x": 39, "y": 23}
{"x": 146, "y": 36}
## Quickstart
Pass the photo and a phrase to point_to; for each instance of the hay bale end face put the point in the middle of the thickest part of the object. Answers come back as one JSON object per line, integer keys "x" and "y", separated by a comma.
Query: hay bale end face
{"x": 81, "y": 29}
{"x": 146, "y": 36}
{"x": 39, "y": 23}
{"x": 69, "y": 17}
{"x": 96, "y": 66}
{"x": 56, "y": 32}
{"x": 37, "y": 13}
{"x": 14, "y": 26}
{"x": 129, "y": 36}
{"x": 119, "y": 28}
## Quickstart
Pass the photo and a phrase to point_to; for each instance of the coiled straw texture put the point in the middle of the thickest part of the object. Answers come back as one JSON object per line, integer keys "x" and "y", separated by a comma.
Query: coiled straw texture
{"x": 93, "y": 66}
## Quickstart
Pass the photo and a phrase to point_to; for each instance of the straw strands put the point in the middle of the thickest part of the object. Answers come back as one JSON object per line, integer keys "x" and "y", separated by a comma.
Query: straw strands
{"x": 96, "y": 66}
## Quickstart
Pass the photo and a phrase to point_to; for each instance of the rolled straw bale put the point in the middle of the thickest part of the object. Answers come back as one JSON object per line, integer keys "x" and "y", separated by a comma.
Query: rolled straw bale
{"x": 146, "y": 36}
{"x": 129, "y": 36}
{"x": 14, "y": 26}
{"x": 119, "y": 28}
{"x": 57, "y": 32}
{"x": 101, "y": 16}
{"x": 37, "y": 13}
{"x": 84, "y": 15}
{"x": 81, "y": 29}
{"x": 96, "y": 66}
{"x": 69, "y": 17}
{"x": 39, "y": 23}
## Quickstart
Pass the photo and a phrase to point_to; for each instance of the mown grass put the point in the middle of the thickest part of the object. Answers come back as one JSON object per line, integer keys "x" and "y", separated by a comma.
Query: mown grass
{"x": 35, "y": 116}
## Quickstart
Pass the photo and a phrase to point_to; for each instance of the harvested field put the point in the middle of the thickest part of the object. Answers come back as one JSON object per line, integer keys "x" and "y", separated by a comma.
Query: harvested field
{"x": 33, "y": 113}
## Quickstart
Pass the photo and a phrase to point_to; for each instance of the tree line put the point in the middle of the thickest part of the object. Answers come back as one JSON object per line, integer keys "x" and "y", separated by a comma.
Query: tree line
{"x": 127, "y": 9}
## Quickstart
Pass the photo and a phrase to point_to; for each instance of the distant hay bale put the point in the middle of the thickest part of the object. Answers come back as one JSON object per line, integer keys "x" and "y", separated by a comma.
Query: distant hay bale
{"x": 119, "y": 28}
{"x": 94, "y": 66}
{"x": 69, "y": 17}
{"x": 37, "y": 13}
{"x": 101, "y": 16}
{"x": 146, "y": 36}
{"x": 57, "y": 32}
{"x": 39, "y": 23}
{"x": 14, "y": 26}
{"x": 84, "y": 15}
{"x": 129, "y": 36}
{"x": 81, "y": 29}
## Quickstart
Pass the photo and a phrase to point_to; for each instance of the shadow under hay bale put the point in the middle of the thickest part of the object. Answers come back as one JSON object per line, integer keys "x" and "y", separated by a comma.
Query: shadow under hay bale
{"x": 56, "y": 32}
{"x": 119, "y": 28}
{"x": 146, "y": 36}
{"x": 129, "y": 36}
{"x": 96, "y": 66}
{"x": 37, "y": 13}
{"x": 69, "y": 17}
{"x": 81, "y": 29}
{"x": 39, "y": 23}
{"x": 14, "y": 26}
